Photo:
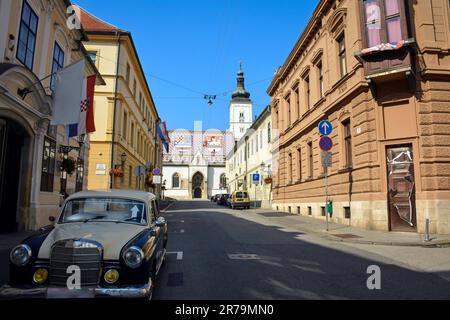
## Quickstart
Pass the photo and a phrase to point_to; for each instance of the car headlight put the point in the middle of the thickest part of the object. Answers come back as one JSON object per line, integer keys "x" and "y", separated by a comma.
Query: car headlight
{"x": 133, "y": 257}
{"x": 20, "y": 255}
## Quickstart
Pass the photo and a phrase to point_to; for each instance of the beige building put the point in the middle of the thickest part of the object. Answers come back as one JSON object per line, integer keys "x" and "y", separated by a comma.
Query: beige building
{"x": 379, "y": 70}
{"x": 126, "y": 117}
{"x": 253, "y": 155}
{"x": 35, "y": 41}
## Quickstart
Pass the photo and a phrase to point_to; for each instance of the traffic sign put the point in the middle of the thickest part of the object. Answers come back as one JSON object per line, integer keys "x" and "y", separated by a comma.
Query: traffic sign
{"x": 325, "y": 128}
{"x": 157, "y": 171}
{"x": 256, "y": 178}
{"x": 327, "y": 159}
{"x": 326, "y": 144}
{"x": 139, "y": 171}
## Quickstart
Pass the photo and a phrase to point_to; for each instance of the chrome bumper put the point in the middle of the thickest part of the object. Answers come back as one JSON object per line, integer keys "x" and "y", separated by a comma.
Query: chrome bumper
{"x": 131, "y": 292}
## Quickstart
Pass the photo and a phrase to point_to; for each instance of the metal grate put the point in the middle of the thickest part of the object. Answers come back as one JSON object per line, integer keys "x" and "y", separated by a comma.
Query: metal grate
{"x": 64, "y": 255}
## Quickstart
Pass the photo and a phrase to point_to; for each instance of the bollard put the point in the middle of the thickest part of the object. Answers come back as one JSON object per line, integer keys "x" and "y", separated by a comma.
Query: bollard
{"x": 427, "y": 231}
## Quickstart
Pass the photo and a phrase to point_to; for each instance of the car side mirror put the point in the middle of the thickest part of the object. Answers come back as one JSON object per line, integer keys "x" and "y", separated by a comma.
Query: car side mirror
{"x": 161, "y": 222}
{"x": 51, "y": 219}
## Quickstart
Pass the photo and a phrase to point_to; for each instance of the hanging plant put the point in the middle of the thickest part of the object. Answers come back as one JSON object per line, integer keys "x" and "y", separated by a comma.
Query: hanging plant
{"x": 117, "y": 173}
{"x": 68, "y": 165}
{"x": 268, "y": 180}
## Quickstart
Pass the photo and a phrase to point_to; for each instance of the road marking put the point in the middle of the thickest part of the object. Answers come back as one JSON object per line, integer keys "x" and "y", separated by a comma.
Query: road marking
{"x": 240, "y": 256}
{"x": 178, "y": 232}
{"x": 179, "y": 254}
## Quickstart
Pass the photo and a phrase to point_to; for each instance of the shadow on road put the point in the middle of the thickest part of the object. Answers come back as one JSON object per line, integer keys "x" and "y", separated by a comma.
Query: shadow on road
{"x": 286, "y": 266}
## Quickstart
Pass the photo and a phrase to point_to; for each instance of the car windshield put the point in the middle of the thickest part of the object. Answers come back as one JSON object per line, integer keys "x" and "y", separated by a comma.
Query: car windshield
{"x": 241, "y": 195}
{"x": 104, "y": 210}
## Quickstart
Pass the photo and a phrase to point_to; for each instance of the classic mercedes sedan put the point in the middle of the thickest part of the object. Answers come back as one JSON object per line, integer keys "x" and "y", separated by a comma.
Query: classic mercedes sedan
{"x": 103, "y": 244}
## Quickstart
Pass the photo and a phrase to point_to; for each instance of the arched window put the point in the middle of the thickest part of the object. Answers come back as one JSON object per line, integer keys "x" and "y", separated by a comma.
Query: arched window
{"x": 176, "y": 181}
{"x": 223, "y": 181}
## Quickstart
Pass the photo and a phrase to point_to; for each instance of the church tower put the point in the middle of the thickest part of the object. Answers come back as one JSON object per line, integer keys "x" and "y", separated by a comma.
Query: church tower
{"x": 241, "y": 108}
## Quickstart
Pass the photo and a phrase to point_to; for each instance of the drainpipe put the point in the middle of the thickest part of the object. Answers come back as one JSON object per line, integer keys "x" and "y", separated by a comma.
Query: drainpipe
{"x": 111, "y": 184}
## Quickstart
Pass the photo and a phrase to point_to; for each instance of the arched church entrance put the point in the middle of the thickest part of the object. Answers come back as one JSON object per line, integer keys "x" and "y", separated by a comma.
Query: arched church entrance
{"x": 197, "y": 186}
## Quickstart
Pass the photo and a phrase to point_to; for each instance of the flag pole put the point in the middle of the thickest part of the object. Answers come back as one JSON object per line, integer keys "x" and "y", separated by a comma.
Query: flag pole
{"x": 23, "y": 92}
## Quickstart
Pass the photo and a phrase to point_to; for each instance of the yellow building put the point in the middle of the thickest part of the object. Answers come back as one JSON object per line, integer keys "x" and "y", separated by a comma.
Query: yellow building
{"x": 37, "y": 38}
{"x": 253, "y": 155}
{"x": 126, "y": 117}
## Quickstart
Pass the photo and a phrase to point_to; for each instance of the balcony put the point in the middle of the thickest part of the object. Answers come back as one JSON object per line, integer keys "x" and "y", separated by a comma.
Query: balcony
{"x": 387, "y": 62}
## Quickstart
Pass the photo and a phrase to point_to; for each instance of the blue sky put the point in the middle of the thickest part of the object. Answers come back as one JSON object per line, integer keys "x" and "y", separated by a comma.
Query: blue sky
{"x": 198, "y": 45}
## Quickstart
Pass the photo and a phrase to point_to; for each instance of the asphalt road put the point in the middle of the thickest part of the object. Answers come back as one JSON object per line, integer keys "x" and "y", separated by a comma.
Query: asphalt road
{"x": 219, "y": 254}
{"x": 216, "y": 254}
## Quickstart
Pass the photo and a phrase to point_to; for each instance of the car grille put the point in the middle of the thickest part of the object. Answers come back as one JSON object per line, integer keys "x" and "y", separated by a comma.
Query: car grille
{"x": 87, "y": 256}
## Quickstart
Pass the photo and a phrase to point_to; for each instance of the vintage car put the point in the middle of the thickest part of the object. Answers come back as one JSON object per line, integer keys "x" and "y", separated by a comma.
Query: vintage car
{"x": 103, "y": 244}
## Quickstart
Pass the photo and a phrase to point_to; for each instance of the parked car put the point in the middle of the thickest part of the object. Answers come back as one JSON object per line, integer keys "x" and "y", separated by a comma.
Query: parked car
{"x": 223, "y": 199}
{"x": 115, "y": 240}
{"x": 217, "y": 197}
{"x": 240, "y": 199}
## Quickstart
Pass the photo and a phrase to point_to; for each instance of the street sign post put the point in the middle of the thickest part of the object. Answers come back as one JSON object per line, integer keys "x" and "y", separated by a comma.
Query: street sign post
{"x": 325, "y": 128}
{"x": 139, "y": 172}
{"x": 157, "y": 172}
{"x": 326, "y": 145}
{"x": 256, "y": 179}
{"x": 327, "y": 159}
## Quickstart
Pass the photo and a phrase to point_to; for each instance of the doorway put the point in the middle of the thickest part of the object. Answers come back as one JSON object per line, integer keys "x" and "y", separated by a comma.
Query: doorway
{"x": 12, "y": 137}
{"x": 401, "y": 189}
{"x": 197, "y": 186}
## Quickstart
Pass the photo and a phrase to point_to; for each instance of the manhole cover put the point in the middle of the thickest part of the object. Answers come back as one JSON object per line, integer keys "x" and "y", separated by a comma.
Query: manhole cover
{"x": 175, "y": 280}
{"x": 347, "y": 236}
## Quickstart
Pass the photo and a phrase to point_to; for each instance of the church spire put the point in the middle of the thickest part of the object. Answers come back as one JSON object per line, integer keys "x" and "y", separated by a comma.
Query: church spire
{"x": 240, "y": 92}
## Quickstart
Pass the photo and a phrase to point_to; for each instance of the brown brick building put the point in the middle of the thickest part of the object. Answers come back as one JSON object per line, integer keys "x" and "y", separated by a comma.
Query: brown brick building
{"x": 379, "y": 70}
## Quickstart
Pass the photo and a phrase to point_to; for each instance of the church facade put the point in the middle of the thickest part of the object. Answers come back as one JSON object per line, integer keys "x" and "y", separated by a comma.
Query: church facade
{"x": 194, "y": 166}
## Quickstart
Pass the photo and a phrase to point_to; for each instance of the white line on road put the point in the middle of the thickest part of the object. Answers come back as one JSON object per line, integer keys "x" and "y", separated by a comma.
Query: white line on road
{"x": 244, "y": 257}
{"x": 179, "y": 254}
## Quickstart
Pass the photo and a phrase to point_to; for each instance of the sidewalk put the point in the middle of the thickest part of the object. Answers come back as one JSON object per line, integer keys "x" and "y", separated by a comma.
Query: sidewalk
{"x": 344, "y": 233}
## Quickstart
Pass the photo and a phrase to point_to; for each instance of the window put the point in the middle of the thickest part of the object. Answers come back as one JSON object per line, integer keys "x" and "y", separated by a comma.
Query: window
{"x": 48, "y": 165}
{"x": 223, "y": 181}
{"x": 132, "y": 134}
{"x": 308, "y": 93}
{"x": 323, "y": 210}
{"x": 93, "y": 56}
{"x": 309, "y": 211}
{"x": 342, "y": 56}
{"x": 311, "y": 159}
{"x": 127, "y": 74}
{"x": 288, "y": 106}
{"x": 176, "y": 181}
{"x": 320, "y": 74}
{"x": 134, "y": 88}
{"x": 299, "y": 164}
{"x": 297, "y": 99}
{"x": 57, "y": 64}
{"x": 289, "y": 168}
{"x": 27, "y": 36}
{"x": 125, "y": 126}
{"x": 241, "y": 117}
{"x": 383, "y": 21}
{"x": 348, "y": 143}
{"x": 269, "y": 132}
{"x": 347, "y": 213}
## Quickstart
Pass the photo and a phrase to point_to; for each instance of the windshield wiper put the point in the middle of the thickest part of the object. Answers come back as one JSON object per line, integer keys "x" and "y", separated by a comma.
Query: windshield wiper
{"x": 95, "y": 218}
{"x": 126, "y": 220}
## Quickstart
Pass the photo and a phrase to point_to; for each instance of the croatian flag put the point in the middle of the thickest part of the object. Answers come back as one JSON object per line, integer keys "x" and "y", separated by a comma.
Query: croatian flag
{"x": 85, "y": 123}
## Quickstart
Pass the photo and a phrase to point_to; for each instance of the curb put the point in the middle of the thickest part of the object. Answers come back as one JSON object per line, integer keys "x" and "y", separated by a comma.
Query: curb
{"x": 430, "y": 245}
{"x": 172, "y": 203}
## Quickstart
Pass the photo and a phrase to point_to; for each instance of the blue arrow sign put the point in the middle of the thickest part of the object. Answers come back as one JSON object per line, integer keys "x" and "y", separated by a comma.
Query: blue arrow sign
{"x": 325, "y": 128}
